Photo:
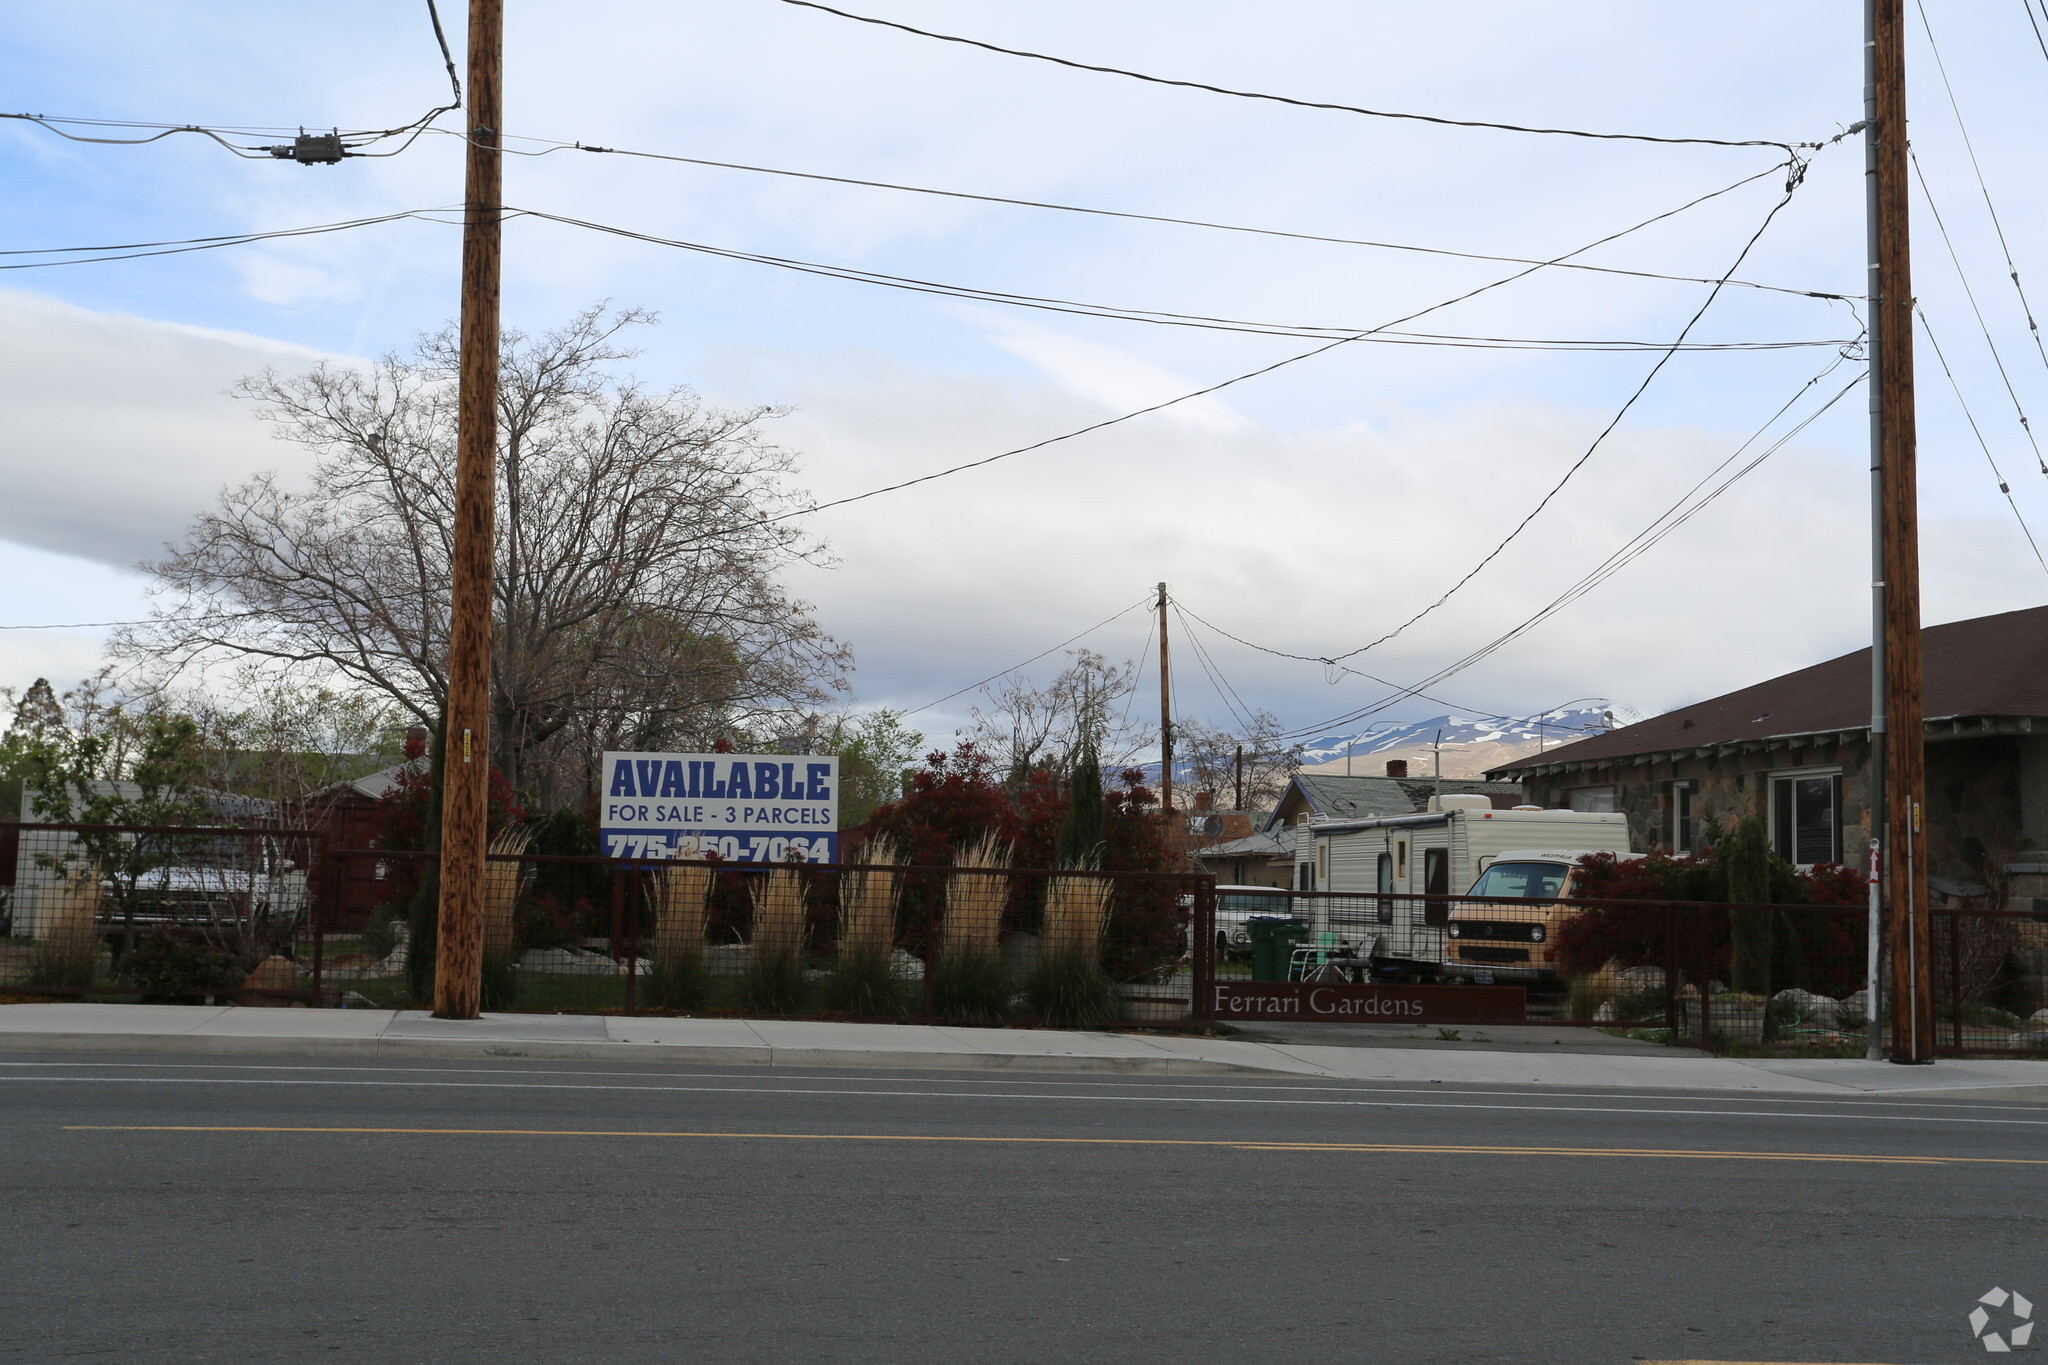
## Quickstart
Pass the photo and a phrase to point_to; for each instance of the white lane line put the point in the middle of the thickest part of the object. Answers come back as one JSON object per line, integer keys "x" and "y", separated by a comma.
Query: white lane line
{"x": 1407, "y": 1088}
{"x": 972, "y": 1095}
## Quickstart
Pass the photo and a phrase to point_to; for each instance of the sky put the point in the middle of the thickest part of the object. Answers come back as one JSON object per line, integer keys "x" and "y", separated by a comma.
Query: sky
{"x": 1309, "y": 510}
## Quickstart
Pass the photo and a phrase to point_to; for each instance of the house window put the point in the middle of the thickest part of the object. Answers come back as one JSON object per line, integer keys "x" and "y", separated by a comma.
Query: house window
{"x": 1597, "y": 799}
{"x": 1685, "y": 829}
{"x": 1806, "y": 817}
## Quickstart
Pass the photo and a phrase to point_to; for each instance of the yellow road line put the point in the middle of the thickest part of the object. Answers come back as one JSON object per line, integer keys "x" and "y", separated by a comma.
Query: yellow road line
{"x": 1432, "y": 1148}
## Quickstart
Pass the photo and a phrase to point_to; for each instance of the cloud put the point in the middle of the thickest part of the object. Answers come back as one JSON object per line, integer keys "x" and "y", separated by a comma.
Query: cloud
{"x": 120, "y": 429}
{"x": 1316, "y": 541}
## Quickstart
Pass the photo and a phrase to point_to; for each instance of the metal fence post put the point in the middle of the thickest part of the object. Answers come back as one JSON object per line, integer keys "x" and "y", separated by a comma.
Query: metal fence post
{"x": 1671, "y": 1010}
{"x": 1955, "y": 979}
{"x": 1203, "y": 1004}
{"x": 632, "y": 950}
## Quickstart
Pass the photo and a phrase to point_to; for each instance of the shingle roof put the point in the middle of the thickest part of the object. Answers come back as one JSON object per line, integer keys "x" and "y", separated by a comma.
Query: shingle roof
{"x": 1366, "y": 798}
{"x": 1273, "y": 844}
{"x": 1986, "y": 666}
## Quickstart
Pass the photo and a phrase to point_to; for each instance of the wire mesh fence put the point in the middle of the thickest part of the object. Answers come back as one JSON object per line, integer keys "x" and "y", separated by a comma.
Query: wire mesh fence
{"x": 976, "y": 943}
{"x": 275, "y": 916}
{"x": 159, "y": 913}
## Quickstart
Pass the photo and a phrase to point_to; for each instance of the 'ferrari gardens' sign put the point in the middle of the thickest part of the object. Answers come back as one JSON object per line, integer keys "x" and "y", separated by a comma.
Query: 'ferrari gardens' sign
{"x": 739, "y": 807}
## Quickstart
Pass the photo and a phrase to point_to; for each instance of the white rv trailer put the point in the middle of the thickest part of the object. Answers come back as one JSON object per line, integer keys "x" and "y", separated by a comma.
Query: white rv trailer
{"x": 1371, "y": 864}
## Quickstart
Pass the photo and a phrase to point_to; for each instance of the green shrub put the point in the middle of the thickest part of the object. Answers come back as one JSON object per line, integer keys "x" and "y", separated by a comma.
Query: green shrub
{"x": 970, "y": 986}
{"x": 863, "y": 982}
{"x": 677, "y": 982}
{"x": 1069, "y": 988}
{"x": 380, "y": 935}
{"x": 168, "y": 963}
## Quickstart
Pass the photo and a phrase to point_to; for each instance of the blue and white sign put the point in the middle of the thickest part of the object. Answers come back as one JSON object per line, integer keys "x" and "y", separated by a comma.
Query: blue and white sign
{"x": 744, "y": 808}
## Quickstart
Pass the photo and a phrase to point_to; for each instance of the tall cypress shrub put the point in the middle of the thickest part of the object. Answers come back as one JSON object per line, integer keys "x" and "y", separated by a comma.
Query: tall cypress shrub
{"x": 1746, "y": 868}
{"x": 1082, "y": 833}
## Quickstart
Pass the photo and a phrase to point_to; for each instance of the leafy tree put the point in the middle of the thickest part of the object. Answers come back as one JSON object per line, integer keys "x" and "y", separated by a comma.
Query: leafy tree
{"x": 875, "y": 752}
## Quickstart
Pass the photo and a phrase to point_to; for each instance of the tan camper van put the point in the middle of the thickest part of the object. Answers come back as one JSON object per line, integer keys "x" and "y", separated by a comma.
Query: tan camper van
{"x": 1434, "y": 853}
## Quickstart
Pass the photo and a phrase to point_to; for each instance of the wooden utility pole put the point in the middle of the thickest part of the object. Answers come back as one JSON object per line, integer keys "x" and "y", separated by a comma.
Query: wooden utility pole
{"x": 465, "y": 802}
{"x": 1240, "y": 779}
{"x": 1165, "y": 713}
{"x": 1897, "y": 742}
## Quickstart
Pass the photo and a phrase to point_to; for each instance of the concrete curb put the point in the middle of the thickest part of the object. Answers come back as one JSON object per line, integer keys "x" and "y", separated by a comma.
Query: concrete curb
{"x": 503, "y": 1049}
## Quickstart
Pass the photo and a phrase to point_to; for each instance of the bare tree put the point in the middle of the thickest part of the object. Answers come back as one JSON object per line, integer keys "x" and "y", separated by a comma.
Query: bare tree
{"x": 1024, "y": 725}
{"x": 636, "y": 593}
{"x": 1211, "y": 758}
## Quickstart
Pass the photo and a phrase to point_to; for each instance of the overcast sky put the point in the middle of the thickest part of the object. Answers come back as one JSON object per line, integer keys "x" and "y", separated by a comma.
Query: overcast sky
{"x": 1310, "y": 510}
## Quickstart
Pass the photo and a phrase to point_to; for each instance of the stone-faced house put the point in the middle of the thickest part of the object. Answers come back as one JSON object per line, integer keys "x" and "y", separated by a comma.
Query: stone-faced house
{"x": 1796, "y": 751}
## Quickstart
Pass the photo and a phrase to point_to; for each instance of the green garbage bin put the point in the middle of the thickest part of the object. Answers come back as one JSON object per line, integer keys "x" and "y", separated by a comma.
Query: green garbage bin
{"x": 1273, "y": 940}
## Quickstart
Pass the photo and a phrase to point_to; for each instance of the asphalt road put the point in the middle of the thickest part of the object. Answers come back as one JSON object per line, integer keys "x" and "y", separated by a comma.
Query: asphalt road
{"x": 550, "y": 1212}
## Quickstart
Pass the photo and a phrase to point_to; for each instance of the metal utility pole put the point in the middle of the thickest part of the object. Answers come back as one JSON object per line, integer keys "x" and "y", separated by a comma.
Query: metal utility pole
{"x": 1897, "y": 743}
{"x": 465, "y": 803}
{"x": 1165, "y": 713}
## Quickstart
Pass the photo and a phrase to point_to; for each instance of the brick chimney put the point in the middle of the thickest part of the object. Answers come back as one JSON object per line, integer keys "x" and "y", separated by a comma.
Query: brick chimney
{"x": 1397, "y": 767}
{"x": 1205, "y": 802}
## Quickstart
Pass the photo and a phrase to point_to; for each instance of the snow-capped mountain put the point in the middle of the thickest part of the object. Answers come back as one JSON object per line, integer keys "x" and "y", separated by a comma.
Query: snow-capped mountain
{"x": 1465, "y": 732}
{"x": 1468, "y": 745}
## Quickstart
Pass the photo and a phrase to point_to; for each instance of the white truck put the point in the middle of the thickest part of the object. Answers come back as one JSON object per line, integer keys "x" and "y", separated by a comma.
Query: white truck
{"x": 1374, "y": 868}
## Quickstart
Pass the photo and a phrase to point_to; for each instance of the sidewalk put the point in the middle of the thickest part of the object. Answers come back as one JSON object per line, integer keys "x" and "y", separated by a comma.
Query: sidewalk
{"x": 411, "y": 1034}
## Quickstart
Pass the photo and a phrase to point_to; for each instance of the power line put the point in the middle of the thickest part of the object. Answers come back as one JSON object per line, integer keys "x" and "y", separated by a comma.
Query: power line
{"x": 1159, "y": 317}
{"x": 1632, "y": 550}
{"x": 1786, "y": 147}
{"x": 1263, "y": 369}
{"x": 1168, "y": 219}
{"x": 447, "y": 57}
{"x": 1141, "y": 602}
{"x": 2012, "y": 271}
{"x": 1791, "y": 187}
{"x": 135, "y": 250}
{"x": 1982, "y": 444}
{"x": 1998, "y": 227}
{"x": 1963, "y": 278}
{"x": 340, "y": 144}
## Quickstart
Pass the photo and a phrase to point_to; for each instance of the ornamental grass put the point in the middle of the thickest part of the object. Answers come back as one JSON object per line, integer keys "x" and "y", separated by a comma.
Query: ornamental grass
{"x": 66, "y": 952}
{"x": 775, "y": 967}
{"x": 970, "y": 980}
{"x": 1069, "y": 987}
{"x": 502, "y": 874}
{"x": 863, "y": 980}
{"x": 677, "y": 979}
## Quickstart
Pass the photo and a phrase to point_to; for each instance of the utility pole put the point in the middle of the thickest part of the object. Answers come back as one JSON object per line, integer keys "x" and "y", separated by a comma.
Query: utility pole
{"x": 1165, "y": 713}
{"x": 1240, "y": 778}
{"x": 465, "y": 804}
{"x": 1897, "y": 743}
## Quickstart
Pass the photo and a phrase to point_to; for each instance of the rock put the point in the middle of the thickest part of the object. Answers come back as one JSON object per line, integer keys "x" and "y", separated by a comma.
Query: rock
{"x": 1641, "y": 978}
{"x": 2029, "y": 1039}
{"x": 273, "y": 974}
{"x": 1819, "y": 1011}
{"x": 2039, "y": 1017}
{"x": 564, "y": 960}
{"x": 904, "y": 967}
{"x": 356, "y": 1000}
{"x": 1605, "y": 1014}
{"x": 637, "y": 966}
